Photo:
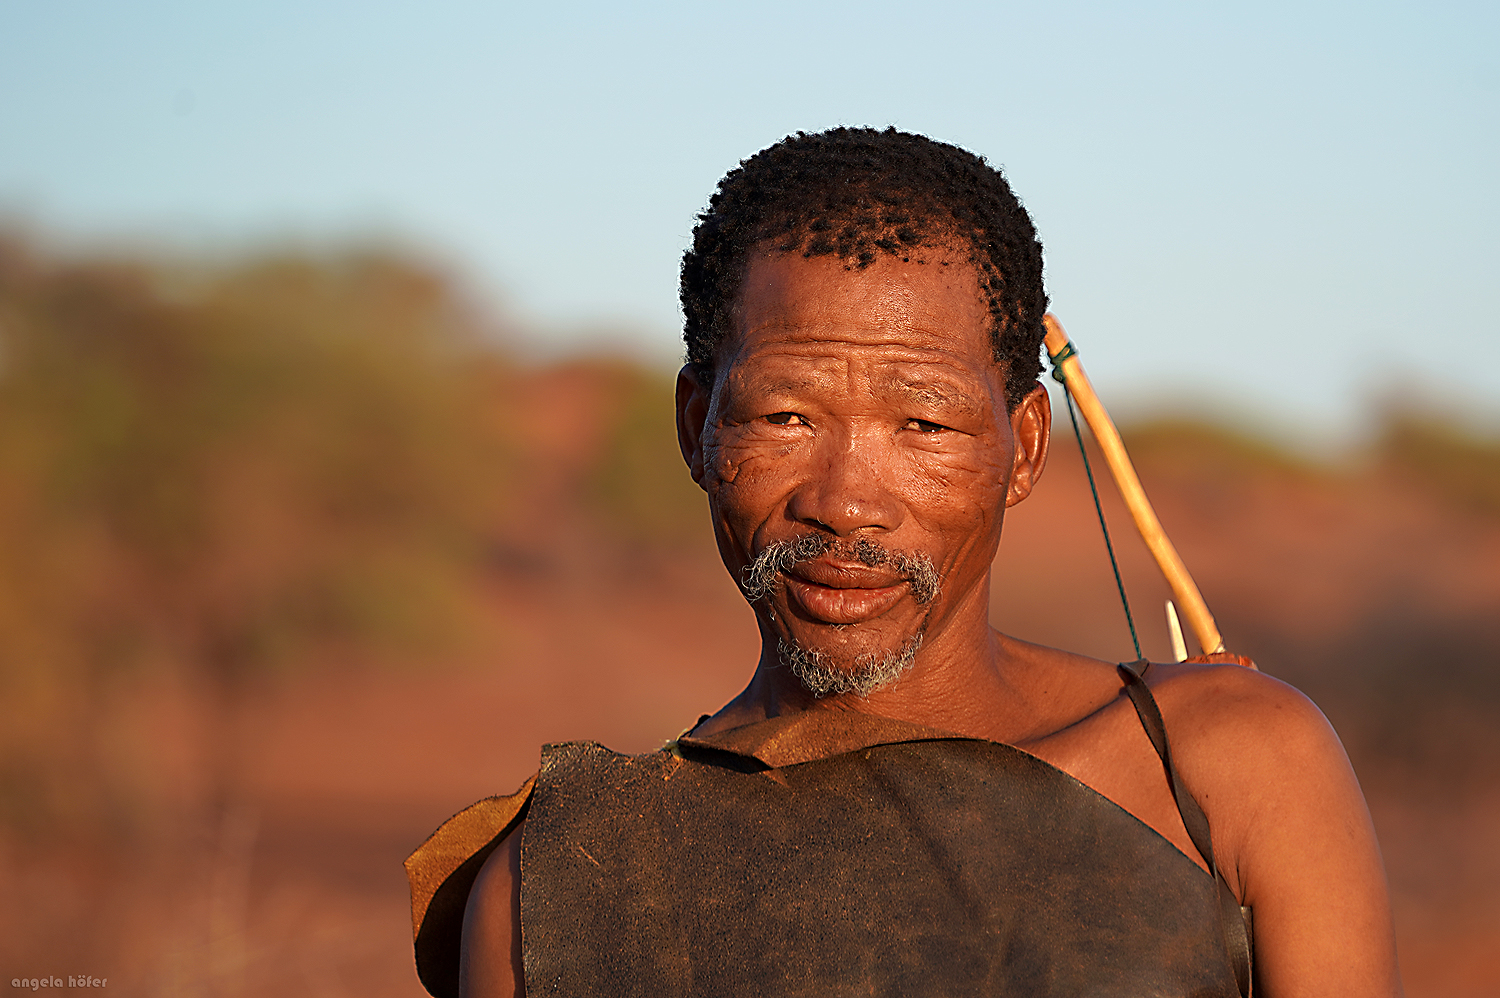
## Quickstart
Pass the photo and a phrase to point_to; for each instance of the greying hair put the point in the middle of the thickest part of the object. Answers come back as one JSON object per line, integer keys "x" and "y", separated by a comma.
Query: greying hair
{"x": 871, "y": 670}
{"x": 760, "y": 578}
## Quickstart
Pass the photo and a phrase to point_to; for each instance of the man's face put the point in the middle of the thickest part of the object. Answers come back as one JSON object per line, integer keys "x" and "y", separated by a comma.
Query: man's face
{"x": 856, "y": 441}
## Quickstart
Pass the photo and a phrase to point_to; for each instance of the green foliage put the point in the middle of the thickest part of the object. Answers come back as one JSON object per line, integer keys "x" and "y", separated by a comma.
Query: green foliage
{"x": 219, "y": 475}
{"x": 1436, "y": 455}
{"x": 232, "y": 469}
{"x": 1206, "y": 450}
{"x": 640, "y": 487}
{"x": 1428, "y": 452}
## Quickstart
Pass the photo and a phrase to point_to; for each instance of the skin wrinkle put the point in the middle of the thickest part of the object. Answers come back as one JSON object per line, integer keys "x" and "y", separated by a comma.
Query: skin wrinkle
{"x": 934, "y": 397}
{"x": 857, "y": 389}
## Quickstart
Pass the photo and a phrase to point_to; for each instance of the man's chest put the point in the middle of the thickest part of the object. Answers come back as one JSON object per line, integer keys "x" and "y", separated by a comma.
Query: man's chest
{"x": 933, "y": 867}
{"x": 1109, "y": 752}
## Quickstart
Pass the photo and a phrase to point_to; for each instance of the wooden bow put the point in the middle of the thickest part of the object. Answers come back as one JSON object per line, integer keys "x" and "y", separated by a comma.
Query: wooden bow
{"x": 1184, "y": 589}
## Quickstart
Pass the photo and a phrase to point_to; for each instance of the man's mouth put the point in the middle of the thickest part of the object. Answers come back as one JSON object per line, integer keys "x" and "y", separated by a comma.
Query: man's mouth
{"x": 830, "y": 605}
{"x": 838, "y": 581}
{"x": 837, "y": 593}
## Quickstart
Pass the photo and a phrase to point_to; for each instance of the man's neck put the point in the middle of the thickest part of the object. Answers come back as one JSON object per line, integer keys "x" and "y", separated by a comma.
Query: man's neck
{"x": 965, "y": 679}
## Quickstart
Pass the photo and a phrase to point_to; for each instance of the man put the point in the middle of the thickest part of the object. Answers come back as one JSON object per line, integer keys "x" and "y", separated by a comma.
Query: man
{"x": 903, "y": 800}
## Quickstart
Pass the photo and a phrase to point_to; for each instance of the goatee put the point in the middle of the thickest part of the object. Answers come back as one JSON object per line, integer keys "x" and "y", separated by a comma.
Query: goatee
{"x": 871, "y": 671}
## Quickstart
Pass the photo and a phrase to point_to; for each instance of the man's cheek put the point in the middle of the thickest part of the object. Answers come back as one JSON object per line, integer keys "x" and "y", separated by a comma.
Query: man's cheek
{"x": 736, "y": 464}
{"x": 739, "y": 496}
{"x": 977, "y": 481}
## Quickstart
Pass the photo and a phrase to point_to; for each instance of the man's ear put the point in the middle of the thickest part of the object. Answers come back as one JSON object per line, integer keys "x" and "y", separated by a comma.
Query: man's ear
{"x": 692, "y": 414}
{"x": 1031, "y": 427}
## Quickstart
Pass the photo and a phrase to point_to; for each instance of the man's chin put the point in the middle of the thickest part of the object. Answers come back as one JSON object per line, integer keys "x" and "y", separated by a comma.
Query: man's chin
{"x": 823, "y": 674}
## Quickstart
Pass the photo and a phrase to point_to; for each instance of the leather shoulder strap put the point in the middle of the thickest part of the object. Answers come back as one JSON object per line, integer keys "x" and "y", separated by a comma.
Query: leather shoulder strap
{"x": 1232, "y": 917}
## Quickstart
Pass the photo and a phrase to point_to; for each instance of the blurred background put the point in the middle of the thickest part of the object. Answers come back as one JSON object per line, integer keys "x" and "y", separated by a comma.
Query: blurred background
{"x": 336, "y": 459}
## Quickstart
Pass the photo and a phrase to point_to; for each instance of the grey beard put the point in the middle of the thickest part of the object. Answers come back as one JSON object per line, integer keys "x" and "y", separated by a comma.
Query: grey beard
{"x": 870, "y": 673}
{"x": 760, "y": 578}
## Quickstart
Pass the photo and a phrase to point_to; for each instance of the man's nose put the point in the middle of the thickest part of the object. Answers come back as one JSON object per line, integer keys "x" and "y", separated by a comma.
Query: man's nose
{"x": 846, "y": 489}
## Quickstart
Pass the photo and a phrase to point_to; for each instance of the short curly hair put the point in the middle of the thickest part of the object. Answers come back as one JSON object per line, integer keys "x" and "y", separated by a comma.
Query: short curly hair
{"x": 856, "y": 192}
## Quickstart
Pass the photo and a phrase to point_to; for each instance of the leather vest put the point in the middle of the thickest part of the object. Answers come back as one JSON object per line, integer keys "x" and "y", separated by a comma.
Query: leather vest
{"x": 874, "y": 858}
{"x": 828, "y": 853}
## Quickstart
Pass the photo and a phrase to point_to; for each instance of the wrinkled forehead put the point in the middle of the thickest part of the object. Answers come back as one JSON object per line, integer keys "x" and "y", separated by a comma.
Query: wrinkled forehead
{"x": 903, "y": 319}
{"x": 930, "y": 382}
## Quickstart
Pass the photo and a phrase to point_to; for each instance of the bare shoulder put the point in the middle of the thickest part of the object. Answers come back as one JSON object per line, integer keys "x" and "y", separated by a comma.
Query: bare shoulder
{"x": 1254, "y": 750}
{"x": 490, "y": 959}
{"x": 1241, "y": 721}
{"x": 1291, "y": 829}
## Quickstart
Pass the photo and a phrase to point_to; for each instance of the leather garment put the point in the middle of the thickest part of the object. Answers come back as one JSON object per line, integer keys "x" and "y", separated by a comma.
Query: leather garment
{"x": 837, "y": 854}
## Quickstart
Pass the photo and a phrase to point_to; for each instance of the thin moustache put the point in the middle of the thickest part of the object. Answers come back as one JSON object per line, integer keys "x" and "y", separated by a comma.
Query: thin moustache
{"x": 838, "y": 574}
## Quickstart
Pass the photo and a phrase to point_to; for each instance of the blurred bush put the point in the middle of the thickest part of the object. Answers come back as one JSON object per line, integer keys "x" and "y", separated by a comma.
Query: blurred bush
{"x": 211, "y": 476}
{"x": 1444, "y": 457}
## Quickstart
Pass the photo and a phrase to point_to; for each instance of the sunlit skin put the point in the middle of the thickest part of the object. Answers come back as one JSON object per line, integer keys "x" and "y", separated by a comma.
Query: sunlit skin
{"x": 849, "y": 407}
{"x": 866, "y": 404}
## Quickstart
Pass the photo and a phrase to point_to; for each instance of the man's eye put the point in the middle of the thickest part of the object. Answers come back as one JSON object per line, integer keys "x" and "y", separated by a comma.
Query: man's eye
{"x": 924, "y": 426}
{"x": 785, "y": 419}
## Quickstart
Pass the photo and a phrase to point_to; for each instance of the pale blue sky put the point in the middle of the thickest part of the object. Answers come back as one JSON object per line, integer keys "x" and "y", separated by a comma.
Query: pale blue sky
{"x": 1246, "y": 205}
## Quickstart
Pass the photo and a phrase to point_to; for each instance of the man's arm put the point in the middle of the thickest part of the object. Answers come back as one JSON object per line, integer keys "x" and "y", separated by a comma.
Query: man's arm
{"x": 1291, "y": 831}
{"x": 490, "y": 961}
